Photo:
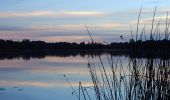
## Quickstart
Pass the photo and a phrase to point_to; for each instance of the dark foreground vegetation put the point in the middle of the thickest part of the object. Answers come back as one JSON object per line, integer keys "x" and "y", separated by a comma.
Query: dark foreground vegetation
{"x": 138, "y": 79}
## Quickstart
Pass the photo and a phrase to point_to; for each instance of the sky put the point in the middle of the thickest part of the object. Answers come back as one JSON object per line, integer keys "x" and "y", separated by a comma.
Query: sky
{"x": 64, "y": 20}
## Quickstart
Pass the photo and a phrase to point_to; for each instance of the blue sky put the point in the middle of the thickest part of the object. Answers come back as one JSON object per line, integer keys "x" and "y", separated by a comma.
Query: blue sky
{"x": 63, "y": 20}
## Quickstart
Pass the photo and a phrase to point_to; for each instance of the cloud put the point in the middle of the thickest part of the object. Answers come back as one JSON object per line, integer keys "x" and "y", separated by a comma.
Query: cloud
{"x": 63, "y": 27}
{"x": 147, "y": 16}
{"x": 11, "y": 28}
{"x": 25, "y": 14}
{"x": 133, "y": 13}
{"x": 148, "y": 21}
{"x": 75, "y": 27}
{"x": 51, "y": 14}
{"x": 82, "y": 13}
{"x": 63, "y": 32}
{"x": 67, "y": 38}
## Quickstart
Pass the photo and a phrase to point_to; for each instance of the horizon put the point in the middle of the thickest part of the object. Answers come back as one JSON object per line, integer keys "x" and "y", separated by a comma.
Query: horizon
{"x": 84, "y": 49}
{"x": 63, "y": 21}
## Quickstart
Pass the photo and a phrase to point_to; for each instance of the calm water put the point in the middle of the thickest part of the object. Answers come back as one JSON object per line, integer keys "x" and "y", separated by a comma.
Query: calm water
{"x": 42, "y": 79}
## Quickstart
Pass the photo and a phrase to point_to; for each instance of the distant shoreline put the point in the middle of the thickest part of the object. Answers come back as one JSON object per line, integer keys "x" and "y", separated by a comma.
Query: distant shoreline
{"x": 27, "y": 48}
{"x": 27, "y": 45}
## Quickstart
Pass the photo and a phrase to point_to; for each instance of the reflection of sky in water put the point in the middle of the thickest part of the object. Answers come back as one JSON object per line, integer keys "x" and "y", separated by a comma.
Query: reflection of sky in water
{"x": 42, "y": 79}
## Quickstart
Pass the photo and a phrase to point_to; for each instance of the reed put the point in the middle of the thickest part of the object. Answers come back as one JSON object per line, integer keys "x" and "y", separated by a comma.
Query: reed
{"x": 155, "y": 33}
{"x": 140, "y": 79}
{"x": 143, "y": 79}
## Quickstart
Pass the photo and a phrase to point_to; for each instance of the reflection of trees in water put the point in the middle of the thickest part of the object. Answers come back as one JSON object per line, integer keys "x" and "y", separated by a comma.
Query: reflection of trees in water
{"x": 42, "y": 54}
{"x": 26, "y": 55}
{"x": 140, "y": 79}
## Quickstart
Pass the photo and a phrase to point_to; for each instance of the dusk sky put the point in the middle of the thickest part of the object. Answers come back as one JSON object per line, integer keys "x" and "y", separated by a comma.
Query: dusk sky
{"x": 63, "y": 20}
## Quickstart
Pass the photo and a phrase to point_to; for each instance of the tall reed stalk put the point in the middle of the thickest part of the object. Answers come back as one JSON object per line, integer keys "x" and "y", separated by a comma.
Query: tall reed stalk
{"x": 140, "y": 79}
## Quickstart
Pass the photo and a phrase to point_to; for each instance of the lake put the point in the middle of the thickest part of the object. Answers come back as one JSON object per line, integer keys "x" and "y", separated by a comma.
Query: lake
{"x": 43, "y": 78}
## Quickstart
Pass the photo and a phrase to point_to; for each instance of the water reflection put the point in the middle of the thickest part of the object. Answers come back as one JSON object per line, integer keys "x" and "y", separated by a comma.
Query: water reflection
{"x": 104, "y": 76}
{"x": 43, "y": 76}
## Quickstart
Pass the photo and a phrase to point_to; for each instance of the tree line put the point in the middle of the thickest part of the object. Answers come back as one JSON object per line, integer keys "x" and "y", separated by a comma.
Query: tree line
{"x": 27, "y": 45}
